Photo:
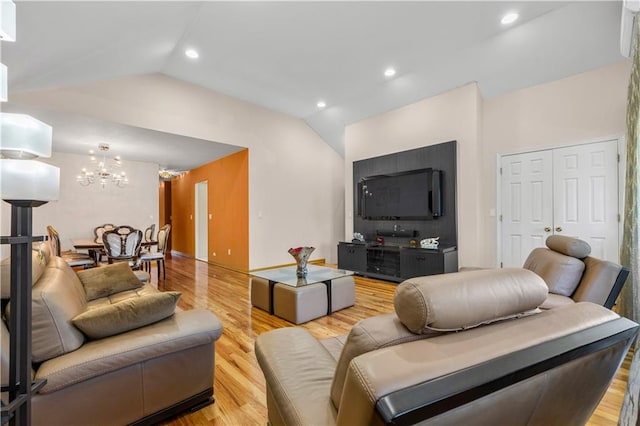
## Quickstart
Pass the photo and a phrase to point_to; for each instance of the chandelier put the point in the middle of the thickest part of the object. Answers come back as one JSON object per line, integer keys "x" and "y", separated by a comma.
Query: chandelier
{"x": 104, "y": 171}
{"x": 166, "y": 174}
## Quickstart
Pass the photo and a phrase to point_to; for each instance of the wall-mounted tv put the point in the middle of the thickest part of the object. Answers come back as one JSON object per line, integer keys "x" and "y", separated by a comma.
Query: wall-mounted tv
{"x": 411, "y": 195}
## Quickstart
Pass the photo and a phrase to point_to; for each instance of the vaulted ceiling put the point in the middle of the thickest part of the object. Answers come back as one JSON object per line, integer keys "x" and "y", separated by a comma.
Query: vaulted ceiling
{"x": 286, "y": 56}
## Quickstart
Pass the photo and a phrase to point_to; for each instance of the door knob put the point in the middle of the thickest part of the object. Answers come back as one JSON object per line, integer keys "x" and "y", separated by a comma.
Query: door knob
{"x": 547, "y": 229}
{"x": 558, "y": 229}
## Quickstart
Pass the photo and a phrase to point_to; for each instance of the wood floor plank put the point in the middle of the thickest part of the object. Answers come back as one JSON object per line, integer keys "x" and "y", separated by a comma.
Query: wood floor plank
{"x": 239, "y": 386}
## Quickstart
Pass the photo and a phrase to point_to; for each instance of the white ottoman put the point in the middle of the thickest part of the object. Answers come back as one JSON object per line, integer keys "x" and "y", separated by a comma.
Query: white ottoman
{"x": 300, "y": 304}
{"x": 343, "y": 293}
{"x": 260, "y": 293}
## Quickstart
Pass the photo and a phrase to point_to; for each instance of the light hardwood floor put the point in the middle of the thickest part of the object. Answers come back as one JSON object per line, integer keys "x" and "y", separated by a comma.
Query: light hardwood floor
{"x": 239, "y": 387}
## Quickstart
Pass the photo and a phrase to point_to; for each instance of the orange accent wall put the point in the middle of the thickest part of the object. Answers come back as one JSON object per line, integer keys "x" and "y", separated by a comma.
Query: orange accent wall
{"x": 228, "y": 203}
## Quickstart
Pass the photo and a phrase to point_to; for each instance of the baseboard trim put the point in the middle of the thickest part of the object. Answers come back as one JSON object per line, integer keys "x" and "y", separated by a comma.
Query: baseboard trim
{"x": 320, "y": 262}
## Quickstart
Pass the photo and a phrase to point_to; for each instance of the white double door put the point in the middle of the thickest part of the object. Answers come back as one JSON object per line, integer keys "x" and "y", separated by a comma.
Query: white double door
{"x": 569, "y": 191}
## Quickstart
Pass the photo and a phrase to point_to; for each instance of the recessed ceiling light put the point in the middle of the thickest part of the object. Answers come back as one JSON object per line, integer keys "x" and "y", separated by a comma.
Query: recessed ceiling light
{"x": 389, "y": 72}
{"x": 191, "y": 53}
{"x": 321, "y": 104}
{"x": 509, "y": 18}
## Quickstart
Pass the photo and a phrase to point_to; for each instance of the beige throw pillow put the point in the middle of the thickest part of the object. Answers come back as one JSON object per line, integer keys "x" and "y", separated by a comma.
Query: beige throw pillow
{"x": 39, "y": 259}
{"x": 126, "y": 315}
{"x": 107, "y": 280}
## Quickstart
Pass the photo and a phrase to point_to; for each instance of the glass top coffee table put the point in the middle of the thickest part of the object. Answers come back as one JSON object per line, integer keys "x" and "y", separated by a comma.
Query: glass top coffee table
{"x": 287, "y": 276}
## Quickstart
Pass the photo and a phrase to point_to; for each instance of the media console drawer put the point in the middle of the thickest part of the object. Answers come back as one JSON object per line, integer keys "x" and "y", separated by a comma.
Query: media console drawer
{"x": 352, "y": 257}
{"x": 396, "y": 263}
{"x": 415, "y": 262}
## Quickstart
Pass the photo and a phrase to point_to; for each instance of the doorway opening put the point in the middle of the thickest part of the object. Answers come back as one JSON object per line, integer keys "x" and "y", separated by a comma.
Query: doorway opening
{"x": 202, "y": 222}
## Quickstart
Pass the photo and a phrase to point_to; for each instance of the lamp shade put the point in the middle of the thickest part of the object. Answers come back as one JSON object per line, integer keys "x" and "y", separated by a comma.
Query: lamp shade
{"x": 7, "y": 20}
{"x": 22, "y": 136}
{"x": 28, "y": 180}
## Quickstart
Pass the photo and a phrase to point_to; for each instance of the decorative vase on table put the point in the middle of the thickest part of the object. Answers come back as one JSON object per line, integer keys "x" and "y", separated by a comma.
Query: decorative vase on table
{"x": 301, "y": 255}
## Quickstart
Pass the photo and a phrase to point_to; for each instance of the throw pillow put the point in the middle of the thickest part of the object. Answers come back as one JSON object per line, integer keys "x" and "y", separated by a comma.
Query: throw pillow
{"x": 126, "y": 315}
{"x": 107, "y": 280}
{"x": 39, "y": 259}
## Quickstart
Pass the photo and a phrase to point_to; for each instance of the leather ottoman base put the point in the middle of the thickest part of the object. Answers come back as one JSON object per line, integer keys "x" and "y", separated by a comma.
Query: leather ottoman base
{"x": 300, "y": 304}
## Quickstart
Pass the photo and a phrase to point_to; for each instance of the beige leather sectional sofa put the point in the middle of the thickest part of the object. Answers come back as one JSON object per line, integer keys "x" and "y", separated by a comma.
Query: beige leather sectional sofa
{"x": 138, "y": 373}
{"x": 468, "y": 348}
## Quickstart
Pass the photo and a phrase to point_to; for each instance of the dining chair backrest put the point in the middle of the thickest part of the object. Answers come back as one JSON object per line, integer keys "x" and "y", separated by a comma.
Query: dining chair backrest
{"x": 148, "y": 233}
{"x": 72, "y": 258}
{"x": 54, "y": 240}
{"x": 121, "y": 246}
{"x": 163, "y": 237}
{"x": 125, "y": 229}
{"x": 99, "y": 230}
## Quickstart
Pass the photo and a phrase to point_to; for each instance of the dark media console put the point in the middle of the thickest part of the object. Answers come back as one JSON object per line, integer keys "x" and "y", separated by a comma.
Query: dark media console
{"x": 396, "y": 263}
{"x": 408, "y": 195}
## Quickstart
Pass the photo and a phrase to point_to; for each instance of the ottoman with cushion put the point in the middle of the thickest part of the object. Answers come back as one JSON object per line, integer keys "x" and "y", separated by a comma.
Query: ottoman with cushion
{"x": 260, "y": 297}
{"x": 343, "y": 293}
{"x": 304, "y": 303}
{"x": 300, "y": 304}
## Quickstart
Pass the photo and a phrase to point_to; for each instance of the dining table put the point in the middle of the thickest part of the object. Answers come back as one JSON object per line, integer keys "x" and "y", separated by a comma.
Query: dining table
{"x": 94, "y": 247}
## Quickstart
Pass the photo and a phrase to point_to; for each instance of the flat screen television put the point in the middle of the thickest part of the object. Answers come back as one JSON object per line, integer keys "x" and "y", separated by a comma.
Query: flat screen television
{"x": 412, "y": 195}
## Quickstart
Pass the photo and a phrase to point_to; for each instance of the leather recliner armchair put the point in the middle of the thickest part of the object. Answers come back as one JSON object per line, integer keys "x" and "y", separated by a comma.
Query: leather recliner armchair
{"x": 465, "y": 348}
{"x": 572, "y": 275}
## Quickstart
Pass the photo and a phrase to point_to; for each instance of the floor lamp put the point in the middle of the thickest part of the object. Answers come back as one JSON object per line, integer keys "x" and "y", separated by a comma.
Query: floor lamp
{"x": 25, "y": 184}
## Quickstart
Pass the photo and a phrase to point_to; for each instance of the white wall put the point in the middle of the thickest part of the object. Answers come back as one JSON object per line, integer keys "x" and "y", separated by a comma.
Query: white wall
{"x": 450, "y": 116}
{"x": 585, "y": 107}
{"x": 80, "y": 209}
{"x": 295, "y": 179}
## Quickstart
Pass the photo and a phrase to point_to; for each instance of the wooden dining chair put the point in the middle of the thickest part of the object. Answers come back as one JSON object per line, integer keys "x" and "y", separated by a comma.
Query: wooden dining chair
{"x": 148, "y": 238}
{"x": 148, "y": 233}
{"x": 99, "y": 230}
{"x": 97, "y": 233}
{"x": 73, "y": 259}
{"x": 125, "y": 229}
{"x": 123, "y": 245}
{"x": 159, "y": 254}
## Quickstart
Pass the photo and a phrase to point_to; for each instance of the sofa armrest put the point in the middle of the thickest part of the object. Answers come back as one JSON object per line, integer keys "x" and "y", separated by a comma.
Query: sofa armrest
{"x": 181, "y": 331}
{"x": 298, "y": 371}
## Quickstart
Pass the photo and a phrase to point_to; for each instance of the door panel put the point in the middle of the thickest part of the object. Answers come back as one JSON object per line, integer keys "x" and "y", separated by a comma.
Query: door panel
{"x": 526, "y": 197}
{"x": 586, "y": 195}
